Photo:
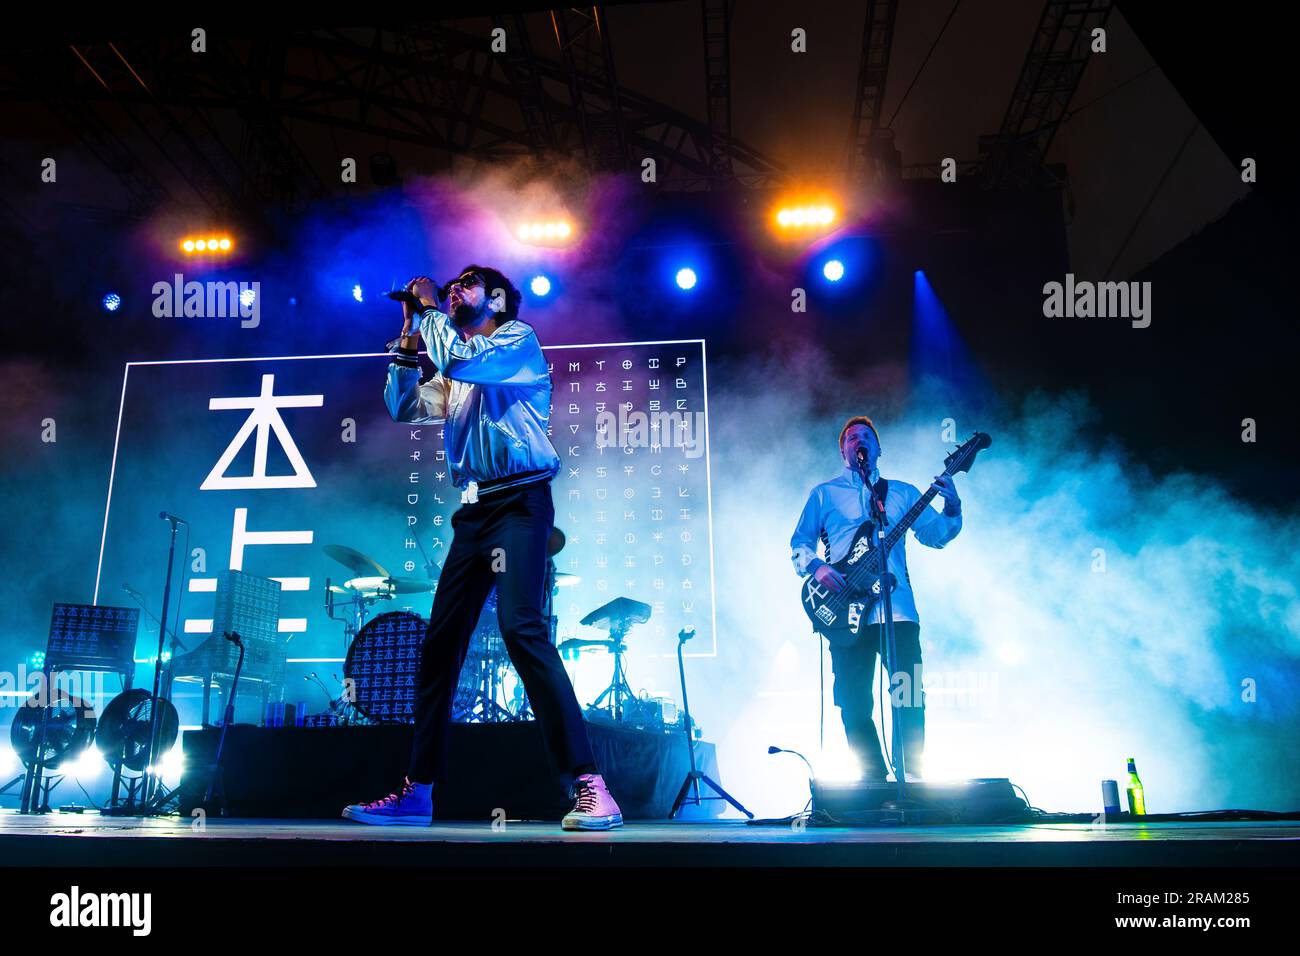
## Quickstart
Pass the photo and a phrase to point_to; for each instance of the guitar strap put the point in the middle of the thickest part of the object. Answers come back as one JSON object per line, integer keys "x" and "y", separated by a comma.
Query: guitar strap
{"x": 882, "y": 489}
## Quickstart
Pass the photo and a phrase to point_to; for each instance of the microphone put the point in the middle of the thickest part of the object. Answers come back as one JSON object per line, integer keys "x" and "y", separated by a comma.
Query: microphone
{"x": 783, "y": 750}
{"x": 129, "y": 590}
{"x": 401, "y": 295}
{"x": 171, "y": 517}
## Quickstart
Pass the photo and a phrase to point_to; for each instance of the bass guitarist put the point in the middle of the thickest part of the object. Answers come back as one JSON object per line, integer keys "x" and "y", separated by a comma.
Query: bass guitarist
{"x": 835, "y": 511}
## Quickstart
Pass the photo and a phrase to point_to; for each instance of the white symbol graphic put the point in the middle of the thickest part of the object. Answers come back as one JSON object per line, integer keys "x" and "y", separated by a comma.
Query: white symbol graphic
{"x": 241, "y": 537}
{"x": 264, "y": 415}
{"x": 855, "y": 615}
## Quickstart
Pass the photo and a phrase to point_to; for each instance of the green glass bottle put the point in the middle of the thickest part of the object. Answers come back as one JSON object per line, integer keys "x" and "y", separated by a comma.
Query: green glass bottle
{"x": 1137, "y": 802}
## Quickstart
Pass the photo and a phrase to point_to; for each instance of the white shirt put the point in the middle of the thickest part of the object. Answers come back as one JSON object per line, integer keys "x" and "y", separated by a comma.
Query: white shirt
{"x": 839, "y": 506}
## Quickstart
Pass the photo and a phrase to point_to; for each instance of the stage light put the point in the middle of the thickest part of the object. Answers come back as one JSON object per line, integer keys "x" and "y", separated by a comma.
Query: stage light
{"x": 356, "y": 293}
{"x": 247, "y": 297}
{"x": 84, "y": 766}
{"x": 8, "y": 760}
{"x": 833, "y": 270}
{"x": 206, "y": 243}
{"x": 550, "y": 232}
{"x": 37, "y": 659}
{"x": 171, "y": 766}
{"x": 112, "y": 302}
{"x": 686, "y": 279}
{"x": 540, "y": 286}
{"x": 804, "y": 218}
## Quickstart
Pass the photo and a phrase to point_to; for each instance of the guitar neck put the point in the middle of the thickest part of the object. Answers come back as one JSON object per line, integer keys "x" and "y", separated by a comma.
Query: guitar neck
{"x": 894, "y": 534}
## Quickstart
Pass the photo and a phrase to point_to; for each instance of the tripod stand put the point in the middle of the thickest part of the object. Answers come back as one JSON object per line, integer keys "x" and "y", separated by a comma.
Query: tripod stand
{"x": 695, "y": 776}
{"x": 617, "y": 618}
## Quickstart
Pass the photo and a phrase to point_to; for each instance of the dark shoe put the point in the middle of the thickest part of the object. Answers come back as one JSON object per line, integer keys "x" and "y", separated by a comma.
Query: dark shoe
{"x": 411, "y": 805}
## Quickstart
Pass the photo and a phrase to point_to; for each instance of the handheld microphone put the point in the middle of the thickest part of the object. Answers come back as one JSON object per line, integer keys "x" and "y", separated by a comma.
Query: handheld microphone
{"x": 171, "y": 517}
{"x": 401, "y": 295}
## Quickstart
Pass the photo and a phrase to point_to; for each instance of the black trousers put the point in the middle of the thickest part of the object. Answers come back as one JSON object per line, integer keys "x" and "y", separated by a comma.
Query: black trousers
{"x": 855, "y": 678}
{"x": 501, "y": 540}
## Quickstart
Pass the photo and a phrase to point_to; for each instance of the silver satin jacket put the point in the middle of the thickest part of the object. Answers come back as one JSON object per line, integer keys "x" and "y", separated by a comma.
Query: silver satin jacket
{"x": 493, "y": 392}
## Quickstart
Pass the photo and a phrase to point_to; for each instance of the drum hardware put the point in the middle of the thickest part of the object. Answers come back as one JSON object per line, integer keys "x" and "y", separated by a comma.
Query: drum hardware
{"x": 480, "y": 697}
{"x": 482, "y": 692}
{"x": 369, "y": 584}
{"x": 383, "y": 664}
{"x": 617, "y": 617}
{"x": 359, "y": 564}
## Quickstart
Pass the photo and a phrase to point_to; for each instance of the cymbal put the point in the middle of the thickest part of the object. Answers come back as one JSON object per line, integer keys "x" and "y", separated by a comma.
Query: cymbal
{"x": 563, "y": 579}
{"x": 555, "y": 543}
{"x": 354, "y": 560}
{"x": 391, "y": 585}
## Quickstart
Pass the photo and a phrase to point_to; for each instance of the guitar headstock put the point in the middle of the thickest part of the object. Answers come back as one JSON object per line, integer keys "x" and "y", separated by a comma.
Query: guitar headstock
{"x": 961, "y": 459}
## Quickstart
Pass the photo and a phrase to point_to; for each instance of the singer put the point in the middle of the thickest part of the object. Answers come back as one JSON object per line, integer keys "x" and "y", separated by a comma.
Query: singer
{"x": 493, "y": 390}
{"x": 834, "y": 512}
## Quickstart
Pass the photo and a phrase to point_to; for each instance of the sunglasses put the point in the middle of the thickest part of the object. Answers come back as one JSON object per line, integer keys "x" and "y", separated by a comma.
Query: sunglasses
{"x": 466, "y": 281}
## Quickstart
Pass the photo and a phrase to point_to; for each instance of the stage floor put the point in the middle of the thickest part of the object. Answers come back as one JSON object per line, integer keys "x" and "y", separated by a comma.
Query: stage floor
{"x": 88, "y": 839}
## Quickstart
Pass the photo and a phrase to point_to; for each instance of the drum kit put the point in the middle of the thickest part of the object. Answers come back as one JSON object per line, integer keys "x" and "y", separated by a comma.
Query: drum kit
{"x": 383, "y": 651}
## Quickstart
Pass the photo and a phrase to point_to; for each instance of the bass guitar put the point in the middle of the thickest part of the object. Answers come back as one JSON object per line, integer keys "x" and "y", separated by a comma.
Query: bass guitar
{"x": 838, "y": 615}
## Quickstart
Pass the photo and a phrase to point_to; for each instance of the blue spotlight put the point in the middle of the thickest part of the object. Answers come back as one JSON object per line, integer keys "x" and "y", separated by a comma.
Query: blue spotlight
{"x": 540, "y": 286}
{"x": 247, "y": 297}
{"x": 112, "y": 302}
{"x": 356, "y": 293}
{"x": 686, "y": 279}
{"x": 833, "y": 270}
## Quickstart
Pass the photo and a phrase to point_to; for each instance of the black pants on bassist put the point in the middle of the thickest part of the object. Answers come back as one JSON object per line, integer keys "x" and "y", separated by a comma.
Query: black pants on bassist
{"x": 854, "y": 667}
{"x": 498, "y": 540}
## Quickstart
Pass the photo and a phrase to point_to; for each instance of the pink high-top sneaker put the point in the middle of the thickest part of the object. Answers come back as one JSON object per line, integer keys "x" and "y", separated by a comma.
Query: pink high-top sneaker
{"x": 594, "y": 808}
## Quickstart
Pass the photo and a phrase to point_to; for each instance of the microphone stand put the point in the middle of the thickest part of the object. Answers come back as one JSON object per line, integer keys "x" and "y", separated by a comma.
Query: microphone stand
{"x": 889, "y": 648}
{"x": 156, "y": 723}
{"x": 215, "y": 778}
{"x": 695, "y": 776}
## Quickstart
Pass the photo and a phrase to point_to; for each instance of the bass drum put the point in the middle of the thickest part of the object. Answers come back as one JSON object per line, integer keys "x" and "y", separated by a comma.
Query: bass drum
{"x": 383, "y": 665}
